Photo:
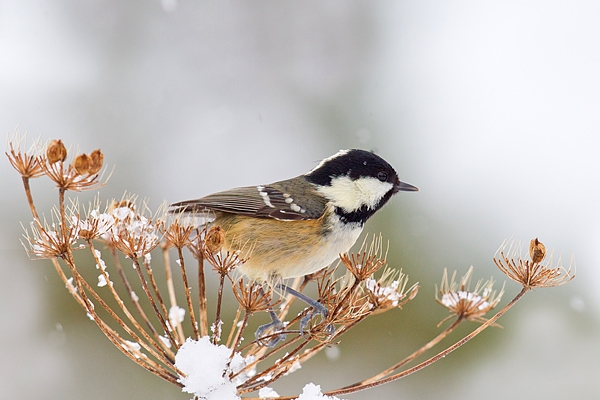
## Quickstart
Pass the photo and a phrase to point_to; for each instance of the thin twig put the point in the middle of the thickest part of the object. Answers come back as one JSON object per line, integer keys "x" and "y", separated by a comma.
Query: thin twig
{"x": 187, "y": 294}
{"x": 172, "y": 298}
{"x": 433, "y": 359}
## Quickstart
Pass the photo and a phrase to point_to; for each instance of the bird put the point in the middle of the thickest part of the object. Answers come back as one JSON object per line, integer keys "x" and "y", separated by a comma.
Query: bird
{"x": 298, "y": 226}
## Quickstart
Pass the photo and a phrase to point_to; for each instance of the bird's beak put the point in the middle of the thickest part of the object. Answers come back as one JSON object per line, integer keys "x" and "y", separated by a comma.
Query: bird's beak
{"x": 405, "y": 187}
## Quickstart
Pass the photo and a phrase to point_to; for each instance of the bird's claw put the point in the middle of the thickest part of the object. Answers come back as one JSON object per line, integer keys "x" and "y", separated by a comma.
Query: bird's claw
{"x": 276, "y": 325}
{"x": 317, "y": 309}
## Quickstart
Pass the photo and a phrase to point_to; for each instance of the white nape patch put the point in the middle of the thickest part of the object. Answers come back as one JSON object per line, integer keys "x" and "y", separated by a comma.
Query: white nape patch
{"x": 265, "y": 196}
{"x": 350, "y": 195}
{"x": 339, "y": 153}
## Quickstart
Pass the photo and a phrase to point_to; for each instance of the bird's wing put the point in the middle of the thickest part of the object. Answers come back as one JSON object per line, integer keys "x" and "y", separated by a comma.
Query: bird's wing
{"x": 256, "y": 201}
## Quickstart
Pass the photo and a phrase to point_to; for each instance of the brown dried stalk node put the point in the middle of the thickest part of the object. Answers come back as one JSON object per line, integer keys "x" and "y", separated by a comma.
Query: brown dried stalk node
{"x": 132, "y": 310}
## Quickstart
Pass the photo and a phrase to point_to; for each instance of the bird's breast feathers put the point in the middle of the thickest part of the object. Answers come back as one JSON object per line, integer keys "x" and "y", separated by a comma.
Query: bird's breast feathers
{"x": 286, "y": 249}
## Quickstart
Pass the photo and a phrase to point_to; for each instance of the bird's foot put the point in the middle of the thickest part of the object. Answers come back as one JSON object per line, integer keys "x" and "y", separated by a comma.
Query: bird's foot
{"x": 275, "y": 338}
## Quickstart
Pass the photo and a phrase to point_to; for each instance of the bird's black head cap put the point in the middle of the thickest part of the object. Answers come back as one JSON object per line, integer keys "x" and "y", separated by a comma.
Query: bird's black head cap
{"x": 355, "y": 164}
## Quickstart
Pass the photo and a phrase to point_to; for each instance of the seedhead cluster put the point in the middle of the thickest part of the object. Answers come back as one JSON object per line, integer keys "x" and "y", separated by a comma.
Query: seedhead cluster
{"x": 161, "y": 317}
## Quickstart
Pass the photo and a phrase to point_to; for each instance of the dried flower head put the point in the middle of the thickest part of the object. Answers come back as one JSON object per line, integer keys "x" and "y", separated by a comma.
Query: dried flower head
{"x": 345, "y": 300}
{"x": 465, "y": 303}
{"x": 178, "y": 235}
{"x": 48, "y": 241}
{"x": 390, "y": 290}
{"x": 56, "y": 151}
{"x": 27, "y": 163}
{"x": 132, "y": 233}
{"x": 96, "y": 224}
{"x": 224, "y": 262}
{"x": 368, "y": 260}
{"x": 252, "y": 297}
{"x": 81, "y": 174}
{"x": 529, "y": 271}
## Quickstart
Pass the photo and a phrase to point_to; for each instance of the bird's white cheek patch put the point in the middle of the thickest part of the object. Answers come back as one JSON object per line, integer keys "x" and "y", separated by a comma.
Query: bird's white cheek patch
{"x": 351, "y": 195}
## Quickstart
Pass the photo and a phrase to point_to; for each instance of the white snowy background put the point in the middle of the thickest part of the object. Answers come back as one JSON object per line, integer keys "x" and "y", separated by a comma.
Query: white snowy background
{"x": 491, "y": 108}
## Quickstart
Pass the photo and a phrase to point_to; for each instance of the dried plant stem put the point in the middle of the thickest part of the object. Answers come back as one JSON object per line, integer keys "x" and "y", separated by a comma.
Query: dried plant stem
{"x": 144, "y": 284}
{"x": 264, "y": 355}
{"x": 187, "y": 294}
{"x": 411, "y": 357}
{"x": 136, "y": 301}
{"x": 238, "y": 337}
{"x": 346, "y": 296}
{"x": 258, "y": 382}
{"x": 433, "y": 359}
{"x": 30, "y": 202}
{"x": 217, "y": 324}
{"x": 65, "y": 280}
{"x": 113, "y": 336}
{"x": 159, "y": 298}
{"x": 171, "y": 291}
{"x": 203, "y": 313}
{"x": 63, "y": 216}
{"x": 234, "y": 326}
{"x": 157, "y": 343}
{"x": 306, "y": 355}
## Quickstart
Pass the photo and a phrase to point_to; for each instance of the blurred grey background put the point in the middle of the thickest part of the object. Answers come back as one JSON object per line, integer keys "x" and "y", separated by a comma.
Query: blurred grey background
{"x": 491, "y": 108}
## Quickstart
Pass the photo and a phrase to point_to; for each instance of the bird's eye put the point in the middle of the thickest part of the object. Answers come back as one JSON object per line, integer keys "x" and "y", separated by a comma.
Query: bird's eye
{"x": 382, "y": 176}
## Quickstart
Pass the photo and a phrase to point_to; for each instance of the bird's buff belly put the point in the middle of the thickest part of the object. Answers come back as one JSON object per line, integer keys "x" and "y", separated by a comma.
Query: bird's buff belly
{"x": 281, "y": 250}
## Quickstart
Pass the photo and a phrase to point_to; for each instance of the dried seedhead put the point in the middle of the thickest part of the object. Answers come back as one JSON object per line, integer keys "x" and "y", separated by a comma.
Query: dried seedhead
{"x": 47, "y": 242}
{"x": 132, "y": 233}
{"x": 252, "y": 297}
{"x": 367, "y": 261}
{"x": 529, "y": 271}
{"x": 96, "y": 224}
{"x": 465, "y": 303}
{"x": 81, "y": 174}
{"x": 178, "y": 235}
{"x": 27, "y": 163}
{"x": 224, "y": 262}
{"x": 390, "y": 290}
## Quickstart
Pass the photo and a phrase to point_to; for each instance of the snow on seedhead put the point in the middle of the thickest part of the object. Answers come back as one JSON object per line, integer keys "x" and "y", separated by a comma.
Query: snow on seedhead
{"x": 203, "y": 364}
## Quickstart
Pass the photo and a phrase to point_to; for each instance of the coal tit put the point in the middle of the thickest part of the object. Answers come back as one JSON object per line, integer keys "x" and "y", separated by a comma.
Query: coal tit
{"x": 298, "y": 226}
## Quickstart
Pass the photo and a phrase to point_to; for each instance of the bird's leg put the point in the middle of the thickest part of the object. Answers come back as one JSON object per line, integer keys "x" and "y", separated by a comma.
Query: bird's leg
{"x": 317, "y": 307}
{"x": 276, "y": 324}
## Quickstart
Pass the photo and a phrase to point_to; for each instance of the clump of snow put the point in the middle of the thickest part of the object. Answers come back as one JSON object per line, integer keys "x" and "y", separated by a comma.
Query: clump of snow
{"x": 313, "y": 392}
{"x": 267, "y": 393}
{"x": 385, "y": 293}
{"x": 176, "y": 315}
{"x": 452, "y": 299}
{"x": 207, "y": 368}
{"x": 204, "y": 364}
{"x": 101, "y": 281}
